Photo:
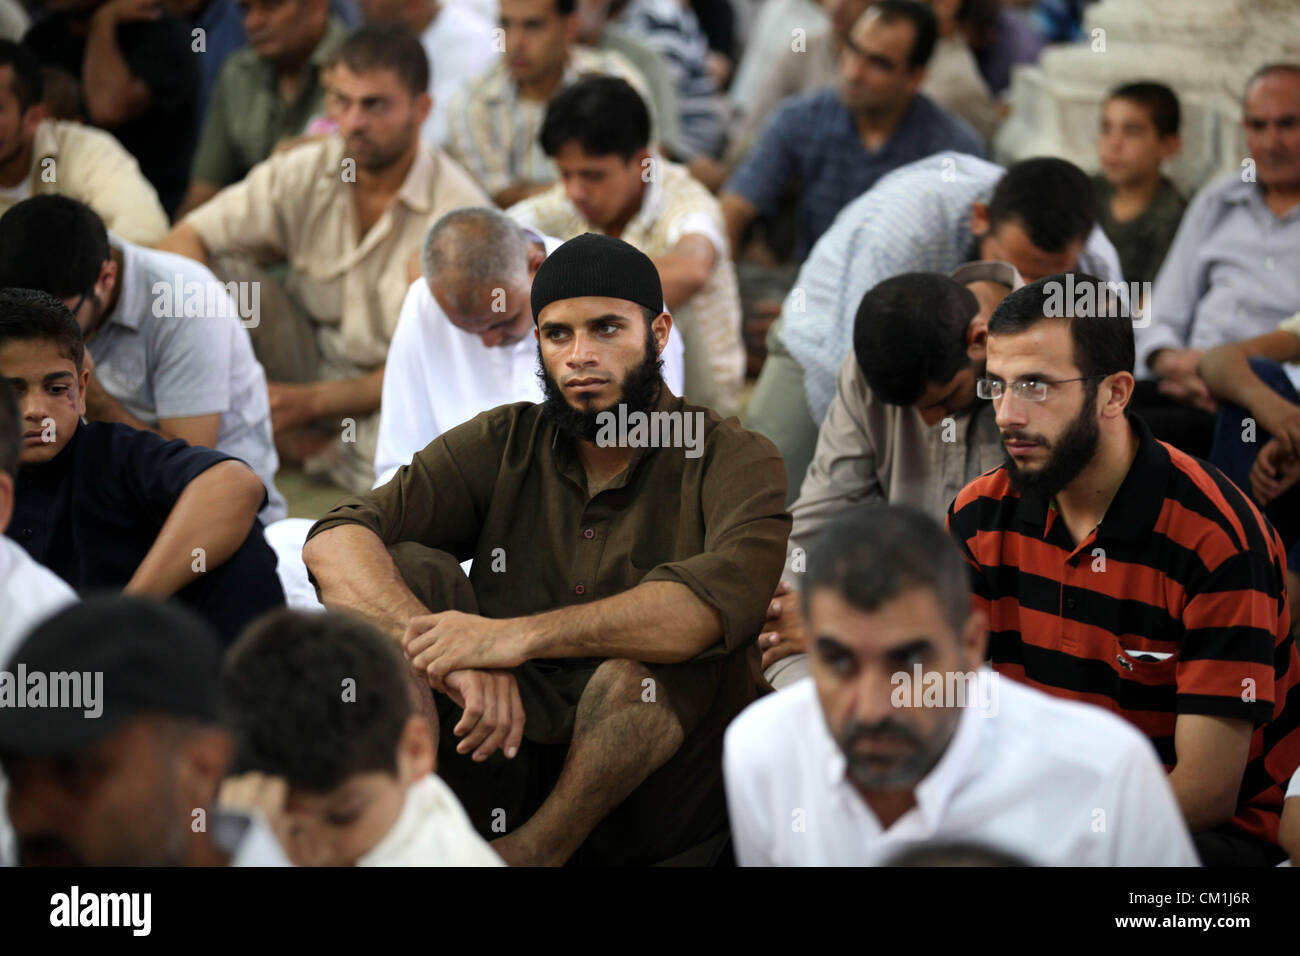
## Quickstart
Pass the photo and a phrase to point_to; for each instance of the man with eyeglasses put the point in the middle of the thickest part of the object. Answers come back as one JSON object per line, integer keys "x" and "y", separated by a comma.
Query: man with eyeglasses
{"x": 1120, "y": 571}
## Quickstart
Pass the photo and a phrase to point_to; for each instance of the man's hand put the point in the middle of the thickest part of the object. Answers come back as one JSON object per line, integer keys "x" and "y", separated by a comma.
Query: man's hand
{"x": 291, "y": 405}
{"x": 784, "y": 633}
{"x": 1281, "y": 419}
{"x": 437, "y": 644}
{"x": 129, "y": 11}
{"x": 1273, "y": 473}
{"x": 494, "y": 712}
{"x": 1176, "y": 369}
{"x": 267, "y": 794}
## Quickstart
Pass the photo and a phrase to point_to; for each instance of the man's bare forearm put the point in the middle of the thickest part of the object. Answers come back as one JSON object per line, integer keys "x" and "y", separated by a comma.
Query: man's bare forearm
{"x": 113, "y": 93}
{"x": 350, "y": 396}
{"x": 354, "y": 572}
{"x": 208, "y": 523}
{"x": 1227, "y": 372}
{"x": 184, "y": 240}
{"x": 658, "y": 622}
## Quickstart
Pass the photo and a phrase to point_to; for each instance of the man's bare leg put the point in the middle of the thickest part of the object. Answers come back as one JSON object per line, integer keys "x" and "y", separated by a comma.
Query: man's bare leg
{"x": 618, "y": 741}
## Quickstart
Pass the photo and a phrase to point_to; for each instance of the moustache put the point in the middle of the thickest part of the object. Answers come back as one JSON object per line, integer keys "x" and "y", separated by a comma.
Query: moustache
{"x": 855, "y": 732}
{"x": 1024, "y": 436}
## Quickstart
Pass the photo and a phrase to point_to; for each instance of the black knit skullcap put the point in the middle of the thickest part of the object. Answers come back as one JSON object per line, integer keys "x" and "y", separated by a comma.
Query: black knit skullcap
{"x": 592, "y": 264}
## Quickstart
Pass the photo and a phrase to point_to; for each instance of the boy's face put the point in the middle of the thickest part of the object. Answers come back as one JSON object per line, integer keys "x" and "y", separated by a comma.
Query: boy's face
{"x": 602, "y": 188}
{"x": 340, "y": 827}
{"x": 51, "y": 395}
{"x": 1128, "y": 145}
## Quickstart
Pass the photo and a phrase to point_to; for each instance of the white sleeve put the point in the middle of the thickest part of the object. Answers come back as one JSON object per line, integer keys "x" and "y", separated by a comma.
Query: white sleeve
{"x": 1143, "y": 816}
{"x": 406, "y": 420}
{"x": 744, "y": 808}
{"x": 675, "y": 361}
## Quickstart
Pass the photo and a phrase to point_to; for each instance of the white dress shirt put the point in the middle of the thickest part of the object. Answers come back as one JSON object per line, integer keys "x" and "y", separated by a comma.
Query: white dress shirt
{"x": 438, "y": 376}
{"x": 432, "y": 830}
{"x": 459, "y": 45}
{"x": 1052, "y": 781}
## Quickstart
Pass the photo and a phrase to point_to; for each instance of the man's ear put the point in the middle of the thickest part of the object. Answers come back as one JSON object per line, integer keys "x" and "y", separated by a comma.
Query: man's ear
{"x": 107, "y": 280}
{"x": 535, "y": 259}
{"x": 975, "y": 639}
{"x": 1170, "y": 146}
{"x": 979, "y": 220}
{"x": 202, "y": 761}
{"x": 415, "y": 757}
{"x": 83, "y": 382}
{"x": 423, "y": 107}
{"x": 661, "y": 326}
{"x": 1116, "y": 395}
{"x": 572, "y": 26}
{"x": 977, "y": 337}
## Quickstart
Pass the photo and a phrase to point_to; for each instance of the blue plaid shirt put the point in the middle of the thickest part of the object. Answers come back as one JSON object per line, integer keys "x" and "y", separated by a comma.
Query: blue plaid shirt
{"x": 813, "y": 138}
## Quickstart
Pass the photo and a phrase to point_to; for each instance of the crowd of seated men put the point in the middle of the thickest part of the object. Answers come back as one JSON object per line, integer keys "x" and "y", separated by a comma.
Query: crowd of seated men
{"x": 730, "y": 462}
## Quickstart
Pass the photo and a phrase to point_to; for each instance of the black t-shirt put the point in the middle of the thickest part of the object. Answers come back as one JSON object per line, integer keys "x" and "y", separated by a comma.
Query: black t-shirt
{"x": 163, "y": 137}
{"x": 92, "y": 513}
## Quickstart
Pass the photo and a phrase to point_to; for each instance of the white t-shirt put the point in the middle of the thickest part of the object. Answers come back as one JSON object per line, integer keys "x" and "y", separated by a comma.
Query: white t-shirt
{"x": 432, "y": 830}
{"x": 459, "y": 45}
{"x": 438, "y": 376}
{"x": 1055, "y": 782}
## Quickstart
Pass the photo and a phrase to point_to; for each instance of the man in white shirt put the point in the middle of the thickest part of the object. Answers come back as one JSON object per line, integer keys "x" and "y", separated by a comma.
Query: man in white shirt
{"x": 170, "y": 344}
{"x": 153, "y": 745}
{"x": 464, "y": 342}
{"x": 900, "y": 738}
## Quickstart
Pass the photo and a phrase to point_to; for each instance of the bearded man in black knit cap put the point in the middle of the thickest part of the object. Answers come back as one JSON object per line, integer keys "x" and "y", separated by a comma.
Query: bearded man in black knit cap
{"x": 624, "y": 546}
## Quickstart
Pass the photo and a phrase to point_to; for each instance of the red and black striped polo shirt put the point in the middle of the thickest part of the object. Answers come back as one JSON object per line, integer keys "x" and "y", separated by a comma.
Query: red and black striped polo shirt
{"x": 1175, "y": 604}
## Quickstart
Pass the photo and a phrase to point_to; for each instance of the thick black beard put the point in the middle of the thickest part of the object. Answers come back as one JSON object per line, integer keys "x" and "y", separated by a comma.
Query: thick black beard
{"x": 1070, "y": 455}
{"x": 640, "y": 393}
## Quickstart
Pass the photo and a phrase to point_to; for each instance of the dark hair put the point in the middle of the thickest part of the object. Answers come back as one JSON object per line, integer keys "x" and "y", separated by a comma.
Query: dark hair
{"x": 565, "y": 7}
{"x": 910, "y": 331}
{"x": 1050, "y": 198}
{"x": 28, "y": 82}
{"x": 1157, "y": 99}
{"x": 602, "y": 114}
{"x": 882, "y": 551}
{"x": 289, "y": 705}
{"x": 52, "y": 243}
{"x": 924, "y": 26}
{"x": 386, "y": 46}
{"x": 11, "y": 429}
{"x": 954, "y": 854}
{"x": 1102, "y": 336}
{"x": 27, "y": 315}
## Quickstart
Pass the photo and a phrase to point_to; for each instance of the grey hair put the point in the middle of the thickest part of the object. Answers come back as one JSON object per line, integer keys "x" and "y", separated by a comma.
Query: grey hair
{"x": 472, "y": 250}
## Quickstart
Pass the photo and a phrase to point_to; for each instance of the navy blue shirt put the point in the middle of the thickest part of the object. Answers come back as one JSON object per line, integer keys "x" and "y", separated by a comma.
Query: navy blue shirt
{"x": 92, "y": 512}
{"x": 813, "y": 139}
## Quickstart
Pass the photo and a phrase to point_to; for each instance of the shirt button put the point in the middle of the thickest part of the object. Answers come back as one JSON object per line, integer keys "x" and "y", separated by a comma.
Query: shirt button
{"x": 579, "y": 589}
{"x": 589, "y": 534}
{"x": 25, "y": 533}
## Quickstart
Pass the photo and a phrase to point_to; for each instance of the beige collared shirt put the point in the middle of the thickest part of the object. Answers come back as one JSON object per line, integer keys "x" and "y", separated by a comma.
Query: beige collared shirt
{"x": 868, "y": 450}
{"x": 91, "y": 166}
{"x": 296, "y": 206}
{"x": 674, "y": 205}
{"x": 493, "y": 133}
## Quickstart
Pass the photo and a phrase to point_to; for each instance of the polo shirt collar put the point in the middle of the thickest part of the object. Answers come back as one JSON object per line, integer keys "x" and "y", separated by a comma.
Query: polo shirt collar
{"x": 1238, "y": 193}
{"x": 1136, "y": 505}
{"x": 417, "y": 188}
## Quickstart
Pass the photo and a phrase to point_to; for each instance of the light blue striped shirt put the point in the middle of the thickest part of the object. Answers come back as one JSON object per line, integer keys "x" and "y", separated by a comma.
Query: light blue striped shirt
{"x": 915, "y": 219}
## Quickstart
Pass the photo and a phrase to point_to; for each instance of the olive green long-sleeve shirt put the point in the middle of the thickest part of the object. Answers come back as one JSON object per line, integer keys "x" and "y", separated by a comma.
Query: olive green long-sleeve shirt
{"x": 510, "y": 492}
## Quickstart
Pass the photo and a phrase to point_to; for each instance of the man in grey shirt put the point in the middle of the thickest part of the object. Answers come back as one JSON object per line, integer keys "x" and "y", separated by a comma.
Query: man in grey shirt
{"x": 904, "y": 427}
{"x": 170, "y": 345}
{"x": 1233, "y": 271}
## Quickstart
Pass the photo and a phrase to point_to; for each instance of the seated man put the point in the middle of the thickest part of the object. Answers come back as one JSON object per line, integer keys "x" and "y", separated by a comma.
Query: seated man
{"x": 348, "y": 213}
{"x": 106, "y": 506}
{"x": 156, "y": 749}
{"x": 222, "y": 26}
{"x": 598, "y": 132}
{"x": 905, "y": 425}
{"x": 459, "y": 44}
{"x": 857, "y": 764}
{"x": 1117, "y": 570}
{"x": 838, "y": 142}
{"x": 622, "y": 577}
{"x": 136, "y": 77}
{"x": 496, "y": 118}
{"x": 171, "y": 347}
{"x": 1232, "y": 272}
{"x": 461, "y": 346}
{"x": 929, "y": 216}
{"x": 49, "y": 156}
{"x": 344, "y": 776}
{"x": 267, "y": 92}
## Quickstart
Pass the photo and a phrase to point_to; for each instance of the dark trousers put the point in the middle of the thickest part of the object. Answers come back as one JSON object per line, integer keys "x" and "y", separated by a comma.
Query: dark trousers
{"x": 1186, "y": 428}
{"x": 676, "y": 816}
{"x": 240, "y": 590}
{"x": 1234, "y": 457}
{"x": 1230, "y": 847}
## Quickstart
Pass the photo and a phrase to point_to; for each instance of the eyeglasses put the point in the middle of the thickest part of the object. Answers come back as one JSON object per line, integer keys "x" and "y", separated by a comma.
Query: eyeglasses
{"x": 84, "y": 296}
{"x": 1030, "y": 390}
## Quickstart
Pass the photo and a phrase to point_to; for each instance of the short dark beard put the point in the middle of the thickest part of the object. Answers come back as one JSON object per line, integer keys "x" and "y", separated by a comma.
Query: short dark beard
{"x": 640, "y": 393}
{"x": 1069, "y": 455}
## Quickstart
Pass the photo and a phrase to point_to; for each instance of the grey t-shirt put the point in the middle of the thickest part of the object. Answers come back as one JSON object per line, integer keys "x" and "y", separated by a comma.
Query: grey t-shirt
{"x": 175, "y": 346}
